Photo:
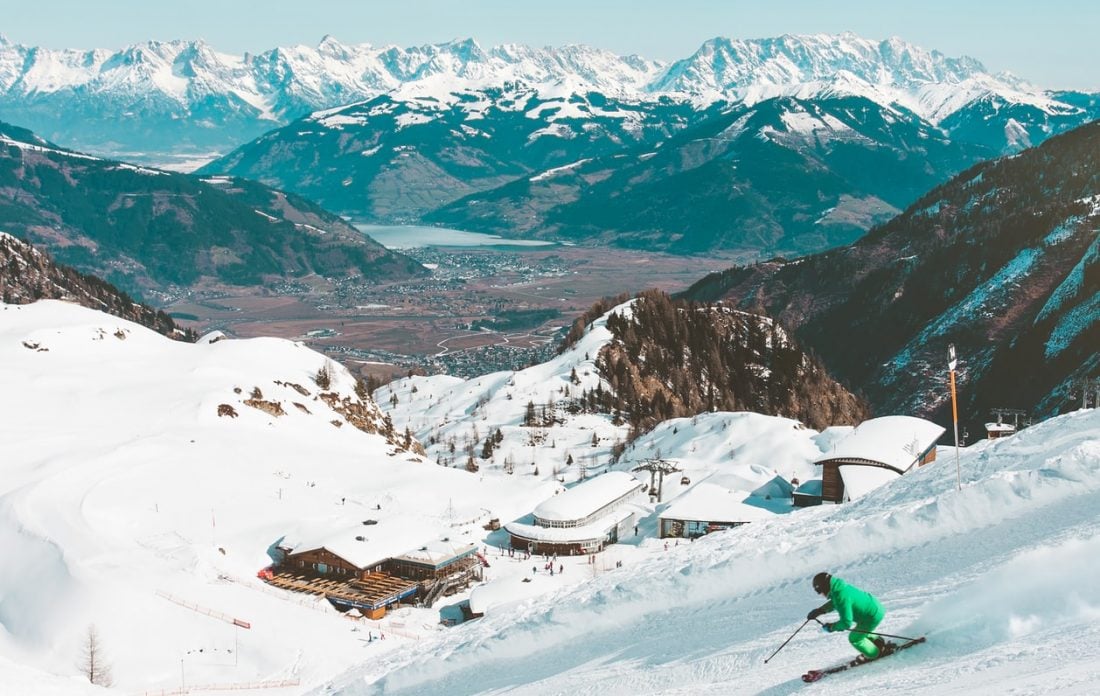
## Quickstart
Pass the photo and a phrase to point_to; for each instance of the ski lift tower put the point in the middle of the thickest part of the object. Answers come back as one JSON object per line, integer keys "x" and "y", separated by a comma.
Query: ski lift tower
{"x": 657, "y": 468}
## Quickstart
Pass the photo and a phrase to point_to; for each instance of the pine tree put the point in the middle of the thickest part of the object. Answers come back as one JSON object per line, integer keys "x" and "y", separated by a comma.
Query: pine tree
{"x": 323, "y": 378}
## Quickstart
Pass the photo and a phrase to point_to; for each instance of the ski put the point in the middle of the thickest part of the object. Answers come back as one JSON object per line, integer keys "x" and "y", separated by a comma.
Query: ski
{"x": 817, "y": 674}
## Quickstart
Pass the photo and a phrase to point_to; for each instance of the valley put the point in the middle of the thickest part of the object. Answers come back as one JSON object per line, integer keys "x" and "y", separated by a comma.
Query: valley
{"x": 424, "y": 324}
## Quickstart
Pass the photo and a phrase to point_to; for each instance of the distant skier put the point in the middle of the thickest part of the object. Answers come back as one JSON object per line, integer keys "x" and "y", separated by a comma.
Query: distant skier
{"x": 854, "y": 606}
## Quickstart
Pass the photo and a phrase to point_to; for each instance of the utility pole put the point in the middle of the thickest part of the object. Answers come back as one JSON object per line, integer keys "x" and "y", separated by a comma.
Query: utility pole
{"x": 952, "y": 363}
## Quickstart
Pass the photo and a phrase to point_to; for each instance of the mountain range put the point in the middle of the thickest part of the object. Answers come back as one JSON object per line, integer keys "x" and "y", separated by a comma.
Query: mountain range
{"x": 788, "y": 145}
{"x": 782, "y": 176}
{"x": 151, "y": 95}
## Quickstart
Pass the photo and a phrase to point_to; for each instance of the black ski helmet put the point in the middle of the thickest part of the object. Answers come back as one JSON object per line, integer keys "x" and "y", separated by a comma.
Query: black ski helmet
{"x": 822, "y": 583}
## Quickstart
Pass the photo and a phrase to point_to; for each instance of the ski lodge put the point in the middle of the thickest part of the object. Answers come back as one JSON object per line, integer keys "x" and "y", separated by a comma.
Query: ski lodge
{"x": 351, "y": 575}
{"x": 583, "y": 519}
{"x": 709, "y": 507}
{"x": 876, "y": 452}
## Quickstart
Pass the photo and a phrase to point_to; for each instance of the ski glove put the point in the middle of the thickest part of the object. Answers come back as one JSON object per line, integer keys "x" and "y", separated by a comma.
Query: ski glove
{"x": 814, "y": 613}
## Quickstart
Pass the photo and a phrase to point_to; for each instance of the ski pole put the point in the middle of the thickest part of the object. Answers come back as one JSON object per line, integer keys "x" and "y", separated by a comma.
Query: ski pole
{"x": 882, "y": 635}
{"x": 787, "y": 641}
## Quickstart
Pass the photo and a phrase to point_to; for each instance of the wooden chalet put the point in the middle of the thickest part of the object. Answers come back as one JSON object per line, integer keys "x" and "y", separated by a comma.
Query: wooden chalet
{"x": 808, "y": 494}
{"x": 874, "y": 453}
{"x": 347, "y": 575}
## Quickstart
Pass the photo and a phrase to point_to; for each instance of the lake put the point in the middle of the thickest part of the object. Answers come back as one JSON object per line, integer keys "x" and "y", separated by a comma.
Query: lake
{"x": 412, "y": 236}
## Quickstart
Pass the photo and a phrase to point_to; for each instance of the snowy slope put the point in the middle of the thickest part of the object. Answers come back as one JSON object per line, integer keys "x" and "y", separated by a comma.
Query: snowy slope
{"x": 119, "y": 481}
{"x": 125, "y": 497}
{"x": 997, "y": 575}
{"x": 442, "y": 411}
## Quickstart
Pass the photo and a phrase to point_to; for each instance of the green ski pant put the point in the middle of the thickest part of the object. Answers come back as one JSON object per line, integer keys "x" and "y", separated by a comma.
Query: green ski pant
{"x": 861, "y": 637}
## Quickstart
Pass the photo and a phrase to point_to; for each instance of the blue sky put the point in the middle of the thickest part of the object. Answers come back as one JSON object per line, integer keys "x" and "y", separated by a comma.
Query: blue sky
{"x": 1052, "y": 43}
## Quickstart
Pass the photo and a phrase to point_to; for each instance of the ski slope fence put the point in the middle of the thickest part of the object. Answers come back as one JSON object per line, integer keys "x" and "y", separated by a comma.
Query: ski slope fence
{"x": 232, "y": 686}
{"x": 203, "y": 610}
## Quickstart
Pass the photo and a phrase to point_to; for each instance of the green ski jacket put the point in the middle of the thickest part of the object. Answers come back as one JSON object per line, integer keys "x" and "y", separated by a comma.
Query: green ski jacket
{"x": 853, "y": 604}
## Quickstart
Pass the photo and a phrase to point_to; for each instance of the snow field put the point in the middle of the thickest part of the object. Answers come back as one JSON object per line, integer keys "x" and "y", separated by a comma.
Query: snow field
{"x": 994, "y": 574}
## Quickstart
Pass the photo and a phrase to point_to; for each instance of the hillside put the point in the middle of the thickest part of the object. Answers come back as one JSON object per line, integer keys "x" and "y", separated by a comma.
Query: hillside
{"x": 145, "y": 481}
{"x": 28, "y": 275}
{"x": 671, "y": 359}
{"x": 1001, "y": 261}
{"x": 623, "y": 370}
{"x": 146, "y": 230}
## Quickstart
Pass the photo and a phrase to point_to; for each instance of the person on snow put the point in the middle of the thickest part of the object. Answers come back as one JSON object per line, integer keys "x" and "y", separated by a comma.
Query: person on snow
{"x": 854, "y": 606}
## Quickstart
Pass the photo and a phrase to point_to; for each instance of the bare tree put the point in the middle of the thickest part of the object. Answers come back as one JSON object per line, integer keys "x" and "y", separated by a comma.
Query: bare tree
{"x": 94, "y": 664}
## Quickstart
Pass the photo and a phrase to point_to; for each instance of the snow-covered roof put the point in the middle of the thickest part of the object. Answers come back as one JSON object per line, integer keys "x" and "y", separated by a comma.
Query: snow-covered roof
{"x": 811, "y": 487}
{"x": 777, "y": 487}
{"x": 361, "y": 554}
{"x": 588, "y": 497}
{"x": 708, "y": 502}
{"x": 392, "y": 536}
{"x": 861, "y": 480}
{"x": 593, "y": 531}
{"x": 437, "y": 552}
{"x": 895, "y": 441}
{"x": 1000, "y": 427}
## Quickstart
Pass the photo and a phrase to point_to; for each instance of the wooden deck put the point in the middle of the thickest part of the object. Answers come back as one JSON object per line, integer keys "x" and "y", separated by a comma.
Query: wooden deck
{"x": 373, "y": 591}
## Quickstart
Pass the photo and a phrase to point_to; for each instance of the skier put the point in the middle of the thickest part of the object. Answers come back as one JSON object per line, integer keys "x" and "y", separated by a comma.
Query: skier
{"x": 854, "y": 606}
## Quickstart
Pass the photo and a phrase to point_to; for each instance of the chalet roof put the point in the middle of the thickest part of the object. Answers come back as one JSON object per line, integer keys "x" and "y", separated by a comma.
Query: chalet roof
{"x": 811, "y": 487}
{"x": 587, "y": 497}
{"x": 438, "y": 552}
{"x": 896, "y": 441}
{"x": 861, "y": 480}
{"x": 357, "y": 553}
{"x": 1000, "y": 427}
{"x": 390, "y": 536}
{"x": 707, "y": 502}
{"x": 594, "y": 531}
{"x": 776, "y": 487}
